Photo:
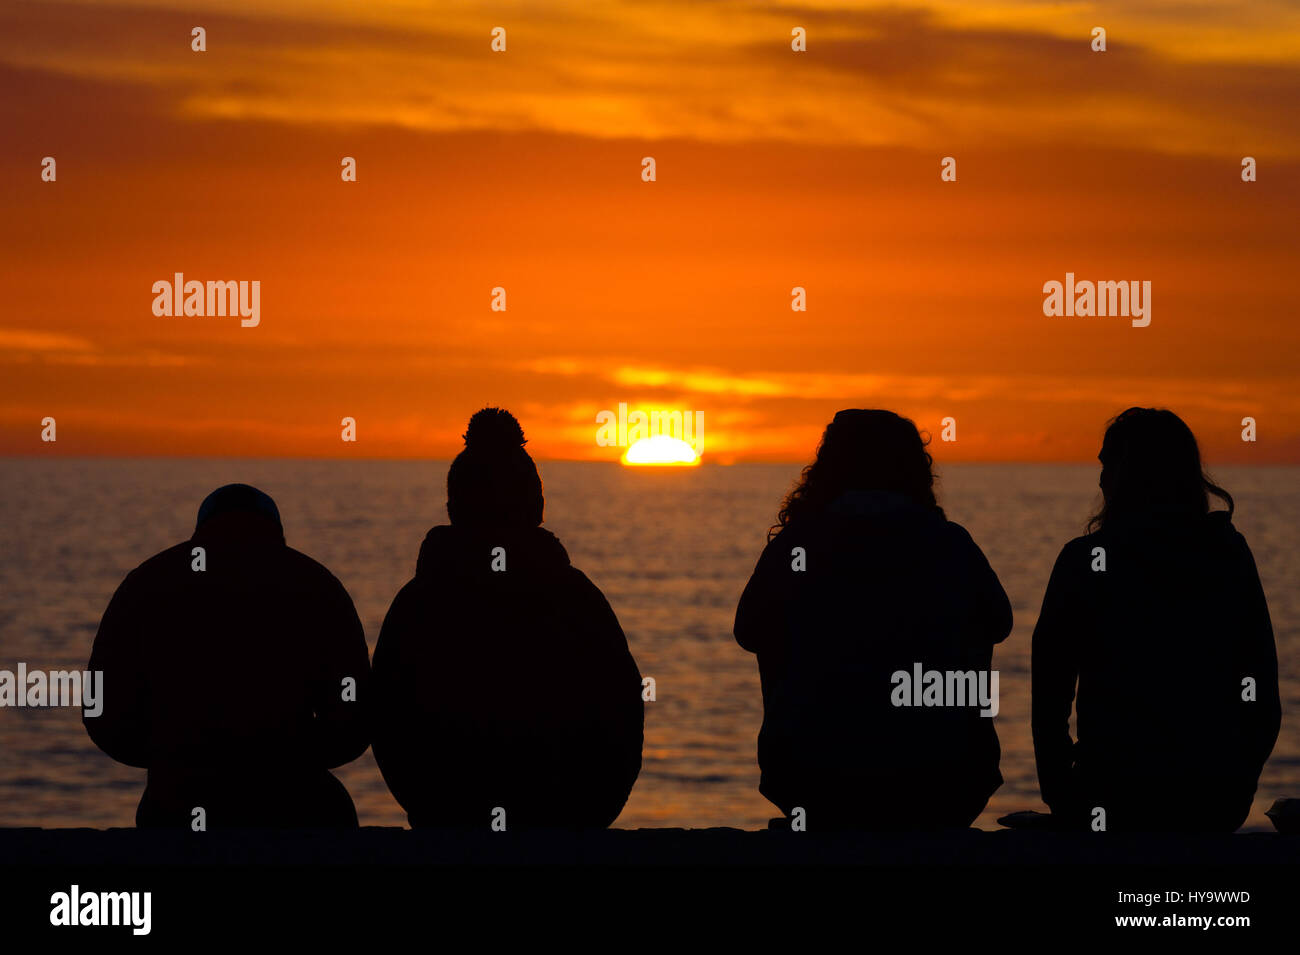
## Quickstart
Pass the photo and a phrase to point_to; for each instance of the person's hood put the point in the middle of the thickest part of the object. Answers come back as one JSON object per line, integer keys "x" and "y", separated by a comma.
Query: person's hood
{"x": 1213, "y": 527}
{"x": 240, "y": 530}
{"x": 875, "y": 504}
{"x": 855, "y": 511}
{"x": 450, "y": 549}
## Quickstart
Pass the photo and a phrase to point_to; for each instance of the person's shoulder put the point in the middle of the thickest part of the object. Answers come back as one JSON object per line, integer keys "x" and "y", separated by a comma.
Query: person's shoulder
{"x": 951, "y": 529}
{"x": 806, "y": 533}
{"x": 409, "y": 604}
{"x": 1084, "y": 541}
{"x": 1077, "y": 552}
{"x": 178, "y": 556}
{"x": 583, "y": 585}
{"x": 1220, "y": 522}
{"x": 301, "y": 561}
{"x": 783, "y": 534}
{"x": 955, "y": 534}
{"x": 310, "y": 570}
{"x": 1225, "y": 534}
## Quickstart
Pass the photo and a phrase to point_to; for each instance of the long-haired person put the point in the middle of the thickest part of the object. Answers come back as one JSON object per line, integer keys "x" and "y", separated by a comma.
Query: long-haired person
{"x": 1157, "y": 616}
{"x": 864, "y": 586}
{"x": 506, "y": 693}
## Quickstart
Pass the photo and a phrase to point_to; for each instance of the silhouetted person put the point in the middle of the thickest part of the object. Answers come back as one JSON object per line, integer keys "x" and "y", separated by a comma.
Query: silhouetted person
{"x": 503, "y": 678}
{"x": 863, "y": 577}
{"x": 234, "y": 671}
{"x": 1159, "y": 643}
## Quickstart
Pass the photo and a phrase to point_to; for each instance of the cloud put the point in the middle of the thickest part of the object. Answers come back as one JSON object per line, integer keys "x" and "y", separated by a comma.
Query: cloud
{"x": 24, "y": 340}
{"x": 1181, "y": 391}
{"x": 19, "y": 344}
{"x": 717, "y": 72}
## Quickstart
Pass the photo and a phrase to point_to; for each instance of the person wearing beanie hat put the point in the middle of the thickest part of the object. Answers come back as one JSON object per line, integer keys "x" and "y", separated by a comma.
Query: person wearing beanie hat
{"x": 494, "y": 481}
{"x": 234, "y": 671}
{"x": 505, "y": 691}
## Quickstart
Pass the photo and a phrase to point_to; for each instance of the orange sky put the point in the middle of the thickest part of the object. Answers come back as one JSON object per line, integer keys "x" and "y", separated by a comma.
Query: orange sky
{"x": 522, "y": 170}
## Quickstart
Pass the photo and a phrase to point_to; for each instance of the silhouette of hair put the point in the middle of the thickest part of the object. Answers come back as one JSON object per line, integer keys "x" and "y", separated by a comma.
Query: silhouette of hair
{"x": 494, "y": 482}
{"x": 238, "y": 497}
{"x": 1151, "y": 465}
{"x": 862, "y": 450}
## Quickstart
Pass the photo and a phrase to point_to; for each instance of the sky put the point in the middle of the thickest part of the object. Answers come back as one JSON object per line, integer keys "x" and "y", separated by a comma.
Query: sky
{"x": 522, "y": 170}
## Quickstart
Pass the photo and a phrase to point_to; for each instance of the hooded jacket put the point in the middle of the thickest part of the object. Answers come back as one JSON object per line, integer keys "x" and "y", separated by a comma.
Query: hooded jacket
{"x": 227, "y": 682}
{"x": 504, "y": 681}
{"x": 888, "y": 584}
{"x": 1161, "y": 644}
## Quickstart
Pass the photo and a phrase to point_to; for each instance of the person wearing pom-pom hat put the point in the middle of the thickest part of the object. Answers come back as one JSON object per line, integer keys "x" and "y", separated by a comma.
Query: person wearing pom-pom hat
{"x": 505, "y": 690}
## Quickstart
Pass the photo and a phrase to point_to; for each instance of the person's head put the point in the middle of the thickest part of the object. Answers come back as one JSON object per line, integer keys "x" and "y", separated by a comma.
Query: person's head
{"x": 863, "y": 450}
{"x": 243, "y": 503}
{"x": 1151, "y": 467}
{"x": 493, "y": 482}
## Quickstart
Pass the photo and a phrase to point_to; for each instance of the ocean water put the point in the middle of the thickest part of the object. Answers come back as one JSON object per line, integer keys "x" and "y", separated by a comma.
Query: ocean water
{"x": 671, "y": 549}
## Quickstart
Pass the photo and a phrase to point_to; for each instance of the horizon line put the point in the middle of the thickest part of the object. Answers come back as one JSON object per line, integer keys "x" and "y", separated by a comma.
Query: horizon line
{"x": 563, "y": 460}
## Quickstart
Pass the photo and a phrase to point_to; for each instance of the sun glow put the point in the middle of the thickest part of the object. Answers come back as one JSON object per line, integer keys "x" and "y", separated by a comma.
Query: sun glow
{"x": 662, "y": 450}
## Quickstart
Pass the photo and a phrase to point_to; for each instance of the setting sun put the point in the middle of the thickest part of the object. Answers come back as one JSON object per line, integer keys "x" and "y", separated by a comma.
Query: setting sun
{"x": 661, "y": 449}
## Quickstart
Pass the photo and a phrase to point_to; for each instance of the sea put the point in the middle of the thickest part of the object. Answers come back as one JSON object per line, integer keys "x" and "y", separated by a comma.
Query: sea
{"x": 671, "y": 548}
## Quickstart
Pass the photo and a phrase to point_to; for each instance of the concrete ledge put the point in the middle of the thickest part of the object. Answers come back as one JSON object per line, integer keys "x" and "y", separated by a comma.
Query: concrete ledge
{"x": 635, "y": 847}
